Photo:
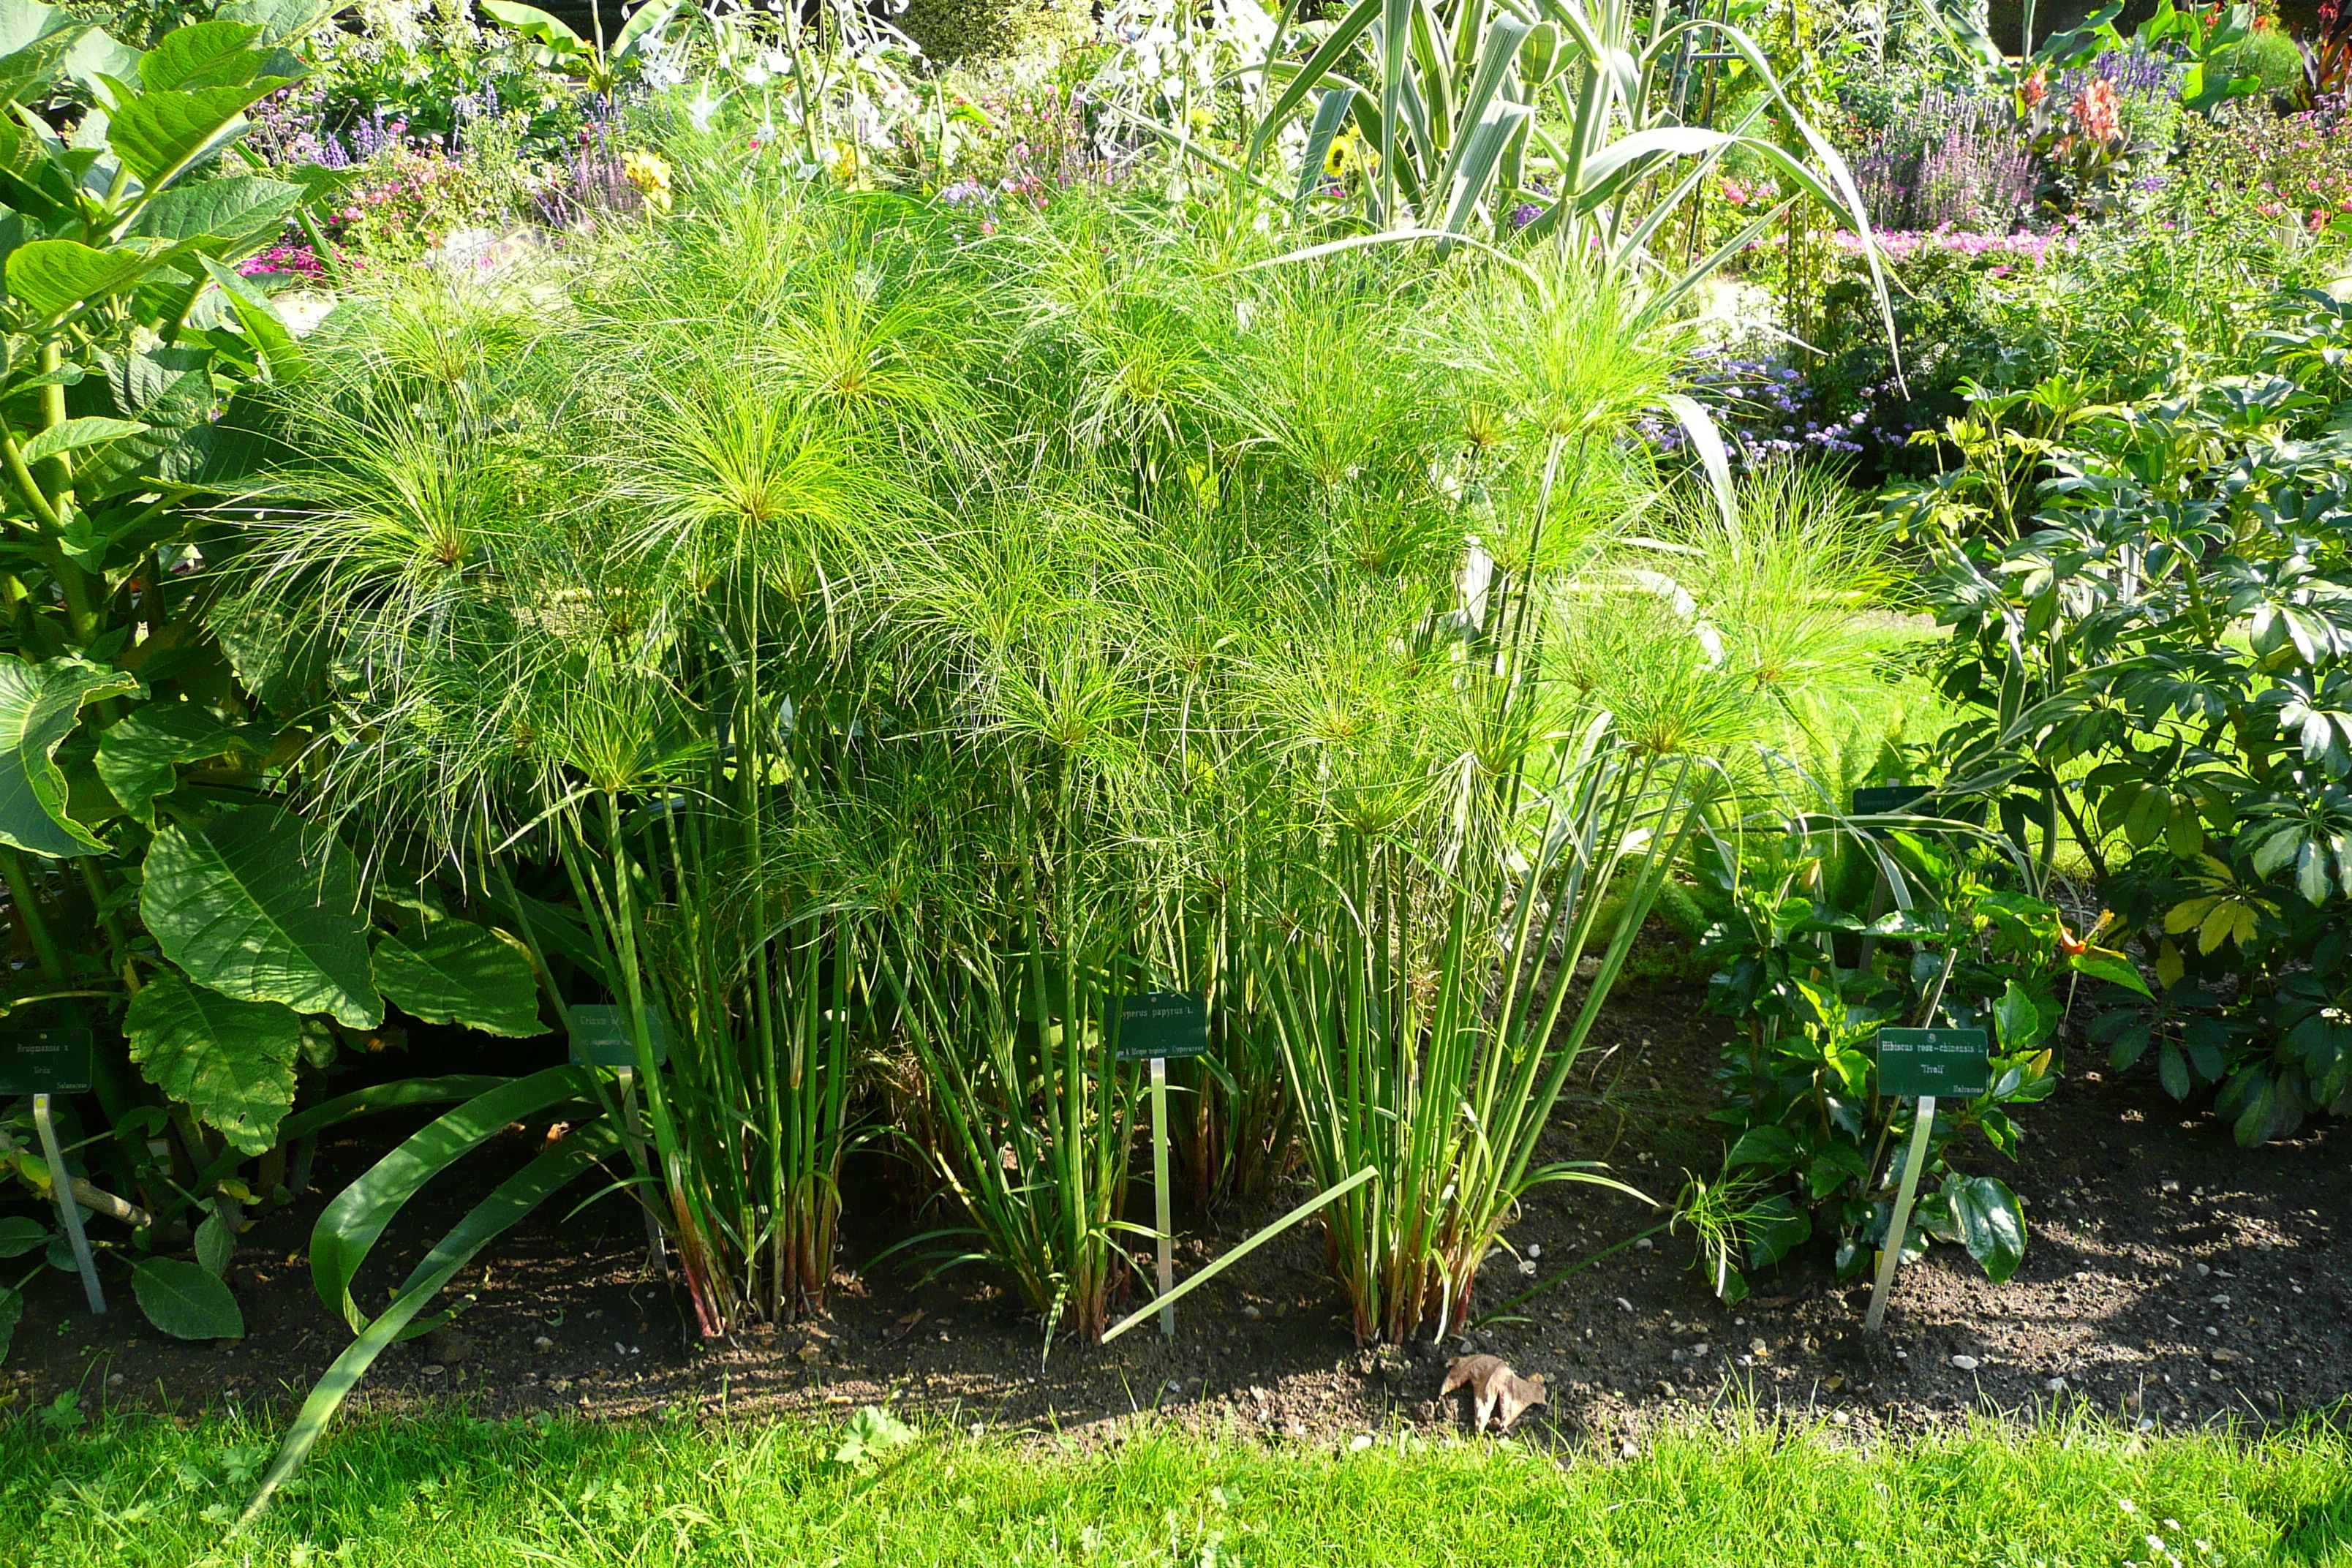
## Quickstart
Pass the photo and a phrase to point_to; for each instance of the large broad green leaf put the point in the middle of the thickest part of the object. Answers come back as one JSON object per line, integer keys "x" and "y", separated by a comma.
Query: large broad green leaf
{"x": 264, "y": 327}
{"x": 216, "y": 1246}
{"x": 279, "y": 657}
{"x": 2017, "y": 1019}
{"x": 135, "y": 757}
{"x": 12, "y": 1308}
{"x": 205, "y": 54}
{"x": 50, "y": 276}
{"x": 1992, "y": 1224}
{"x": 262, "y": 908}
{"x": 50, "y": 40}
{"x": 159, "y": 135}
{"x": 23, "y": 23}
{"x": 185, "y": 1300}
{"x": 1767, "y": 1145}
{"x": 38, "y": 706}
{"x": 456, "y": 973}
{"x": 238, "y": 210}
{"x": 72, "y": 435}
{"x": 281, "y": 21}
{"x": 652, "y": 20}
{"x": 19, "y": 1236}
{"x": 231, "y": 1062}
{"x": 1773, "y": 1228}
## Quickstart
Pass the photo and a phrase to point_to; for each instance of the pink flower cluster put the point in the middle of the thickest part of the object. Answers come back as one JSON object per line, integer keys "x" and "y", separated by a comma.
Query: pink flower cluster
{"x": 1900, "y": 244}
{"x": 298, "y": 259}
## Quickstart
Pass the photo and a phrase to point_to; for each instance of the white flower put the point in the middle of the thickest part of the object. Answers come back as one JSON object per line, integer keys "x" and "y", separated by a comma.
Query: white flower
{"x": 703, "y": 110}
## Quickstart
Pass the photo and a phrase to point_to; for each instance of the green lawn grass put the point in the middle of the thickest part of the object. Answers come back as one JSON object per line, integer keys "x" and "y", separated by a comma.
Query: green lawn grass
{"x": 449, "y": 1492}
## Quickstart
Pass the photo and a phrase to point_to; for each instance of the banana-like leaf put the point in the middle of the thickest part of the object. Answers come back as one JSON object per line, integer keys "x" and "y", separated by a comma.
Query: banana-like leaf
{"x": 533, "y": 23}
{"x": 260, "y": 906}
{"x": 652, "y": 20}
{"x": 40, "y": 704}
{"x": 348, "y": 1229}
{"x": 488, "y": 1219}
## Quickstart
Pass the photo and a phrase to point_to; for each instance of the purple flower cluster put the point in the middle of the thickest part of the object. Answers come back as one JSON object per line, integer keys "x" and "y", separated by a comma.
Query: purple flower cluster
{"x": 1956, "y": 162}
{"x": 1768, "y": 413}
{"x": 2131, "y": 73}
{"x": 594, "y": 182}
{"x": 290, "y": 129}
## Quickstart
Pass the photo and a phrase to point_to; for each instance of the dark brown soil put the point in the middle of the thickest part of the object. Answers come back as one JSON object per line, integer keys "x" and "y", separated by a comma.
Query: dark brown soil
{"x": 2171, "y": 1277}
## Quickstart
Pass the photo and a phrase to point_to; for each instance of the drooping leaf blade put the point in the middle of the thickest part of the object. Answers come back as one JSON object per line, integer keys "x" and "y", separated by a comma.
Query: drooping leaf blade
{"x": 50, "y": 276}
{"x": 160, "y": 135}
{"x": 272, "y": 338}
{"x": 514, "y": 1198}
{"x": 39, "y": 705}
{"x": 75, "y": 433}
{"x": 349, "y": 1226}
{"x": 1992, "y": 1224}
{"x": 238, "y": 209}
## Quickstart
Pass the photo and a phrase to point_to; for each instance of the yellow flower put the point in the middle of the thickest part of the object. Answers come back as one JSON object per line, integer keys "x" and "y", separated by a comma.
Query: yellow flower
{"x": 1348, "y": 155}
{"x": 650, "y": 174}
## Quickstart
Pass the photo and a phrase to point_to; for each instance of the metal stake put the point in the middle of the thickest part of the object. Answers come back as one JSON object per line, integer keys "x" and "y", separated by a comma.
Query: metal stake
{"x": 69, "y": 1211}
{"x": 1923, "y": 1123}
{"x": 1160, "y": 1190}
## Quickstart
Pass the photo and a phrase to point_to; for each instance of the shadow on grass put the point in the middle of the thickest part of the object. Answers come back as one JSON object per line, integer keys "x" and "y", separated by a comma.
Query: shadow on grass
{"x": 2321, "y": 1532}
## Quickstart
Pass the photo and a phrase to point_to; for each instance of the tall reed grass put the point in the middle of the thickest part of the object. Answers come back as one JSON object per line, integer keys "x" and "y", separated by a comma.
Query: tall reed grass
{"x": 863, "y": 650}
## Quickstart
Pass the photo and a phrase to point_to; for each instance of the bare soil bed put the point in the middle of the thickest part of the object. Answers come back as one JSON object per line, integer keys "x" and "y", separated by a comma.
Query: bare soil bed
{"x": 2171, "y": 1277}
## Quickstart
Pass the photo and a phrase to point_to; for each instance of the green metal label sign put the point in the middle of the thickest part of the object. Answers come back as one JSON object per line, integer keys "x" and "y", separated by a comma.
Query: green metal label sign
{"x": 45, "y": 1061}
{"x": 1946, "y": 1063}
{"x": 601, "y": 1038}
{"x": 1887, "y": 800}
{"x": 1158, "y": 1024}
